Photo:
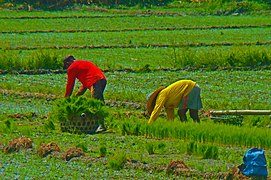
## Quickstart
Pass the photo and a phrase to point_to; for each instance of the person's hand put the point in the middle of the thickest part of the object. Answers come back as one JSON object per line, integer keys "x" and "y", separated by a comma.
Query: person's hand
{"x": 81, "y": 91}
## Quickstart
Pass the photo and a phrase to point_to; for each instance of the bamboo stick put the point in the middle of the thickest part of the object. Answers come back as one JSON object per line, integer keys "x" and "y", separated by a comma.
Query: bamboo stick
{"x": 240, "y": 112}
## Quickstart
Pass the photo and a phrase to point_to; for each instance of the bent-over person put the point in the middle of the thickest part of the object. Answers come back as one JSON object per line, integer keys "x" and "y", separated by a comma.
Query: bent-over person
{"x": 88, "y": 74}
{"x": 183, "y": 94}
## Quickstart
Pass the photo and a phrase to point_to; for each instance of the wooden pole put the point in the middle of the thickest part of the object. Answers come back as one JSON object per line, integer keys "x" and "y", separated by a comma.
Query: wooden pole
{"x": 240, "y": 112}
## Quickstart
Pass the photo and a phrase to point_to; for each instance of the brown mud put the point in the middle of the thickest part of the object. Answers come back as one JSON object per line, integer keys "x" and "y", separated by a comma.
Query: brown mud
{"x": 18, "y": 144}
{"x": 46, "y": 149}
{"x": 73, "y": 152}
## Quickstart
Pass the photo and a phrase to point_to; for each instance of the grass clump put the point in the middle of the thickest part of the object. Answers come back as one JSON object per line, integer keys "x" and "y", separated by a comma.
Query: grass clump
{"x": 249, "y": 57}
{"x": 49, "y": 125}
{"x": 207, "y": 151}
{"x": 44, "y": 60}
{"x": 103, "y": 151}
{"x": 191, "y": 147}
{"x": 117, "y": 161}
{"x": 82, "y": 146}
{"x": 150, "y": 148}
{"x": 200, "y": 133}
{"x": 40, "y": 59}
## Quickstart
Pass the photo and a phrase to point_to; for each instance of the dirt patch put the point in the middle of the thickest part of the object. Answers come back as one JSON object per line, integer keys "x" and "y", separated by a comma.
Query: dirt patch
{"x": 23, "y": 94}
{"x": 150, "y": 168}
{"x": 73, "y": 152}
{"x": 125, "y": 104}
{"x": 235, "y": 173}
{"x": 21, "y": 116}
{"x": 18, "y": 144}
{"x": 46, "y": 149}
{"x": 177, "y": 167}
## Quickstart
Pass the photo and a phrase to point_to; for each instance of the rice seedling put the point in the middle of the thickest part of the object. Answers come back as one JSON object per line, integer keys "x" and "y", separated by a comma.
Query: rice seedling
{"x": 117, "y": 161}
{"x": 65, "y": 108}
{"x": 150, "y": 148}
{"x": 122, "y": 22}
{"x": 83, "y": 146}
{"x": 209, "y": 151}
{"x": 191, "y": 148}
{"x": 49, "y": 125}
{"x": 221, "y": 134}
{"x": 103, "y": 151}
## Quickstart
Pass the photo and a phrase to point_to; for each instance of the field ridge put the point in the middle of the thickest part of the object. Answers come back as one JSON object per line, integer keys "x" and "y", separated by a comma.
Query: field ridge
{"x": 141, "y": 46}
{"x": 138, "y": 29}
{"x": 52, "y": 97}
{"x": 136, "y": 14}
{"x": 61, "y": 71}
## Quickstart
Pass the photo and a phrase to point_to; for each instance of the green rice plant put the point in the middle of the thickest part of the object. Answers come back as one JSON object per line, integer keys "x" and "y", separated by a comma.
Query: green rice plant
{"x": 150, "y": 148}
{"x": 248, "y": 57}
{"x": 136, "y": 130}
{"x": 209, "y": 151}
{"x": 256, "y": 58}
{"x": 145, "y": 69}
{"x": 125, "y": 129}
{"x": 205, "y": 150}
{"x": 257, "y": 121}
{"x": 65, "y": 108}
{"x": 130, "y": 129}
{"x": 9, "y": 60}
{"x": 243, "y": 6}
{"x": 118, "y": 22}
{"x": 161, "y": 146}
{"x": 220, "y": 134}
{"x": 106, "y": 44}
{"x": 45, "y": 60}
{"x": 187, "y": 57}
{"x": 26, "y": 130}
{"x": 8, "y": 124}
{"x": 49, "y": 125}
{"x": 191, "y": 148}
{"x": 83, "y": 146}
{"x": 117, "y": 161}
{"x": 79, "y": 114}
{"x": 40, "y": 59}
{"x": 220, "y": 57}
{"x": 103, "y": 151}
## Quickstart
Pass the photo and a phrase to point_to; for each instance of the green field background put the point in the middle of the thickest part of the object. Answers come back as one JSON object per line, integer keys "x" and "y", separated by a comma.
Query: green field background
{"x": 228, "y": 56}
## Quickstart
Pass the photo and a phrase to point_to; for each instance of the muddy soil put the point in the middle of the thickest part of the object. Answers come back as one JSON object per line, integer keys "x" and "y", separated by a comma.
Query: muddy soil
{"x": 18, "y": 144}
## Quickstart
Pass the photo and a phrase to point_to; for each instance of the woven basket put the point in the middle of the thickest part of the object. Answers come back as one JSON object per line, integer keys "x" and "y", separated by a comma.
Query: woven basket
{"x": 81, "y": 124}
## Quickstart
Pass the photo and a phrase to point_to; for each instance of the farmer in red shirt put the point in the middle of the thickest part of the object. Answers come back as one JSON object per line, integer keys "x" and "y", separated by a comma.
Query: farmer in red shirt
{"x": 88, "y": 74}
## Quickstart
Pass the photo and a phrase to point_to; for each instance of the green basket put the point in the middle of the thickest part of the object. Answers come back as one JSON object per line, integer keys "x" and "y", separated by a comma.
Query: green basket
{"x": 81, "y": 124}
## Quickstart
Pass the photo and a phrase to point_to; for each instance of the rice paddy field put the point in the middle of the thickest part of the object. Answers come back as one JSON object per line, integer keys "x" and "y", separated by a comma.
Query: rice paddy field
{"x": 228, "y": 56}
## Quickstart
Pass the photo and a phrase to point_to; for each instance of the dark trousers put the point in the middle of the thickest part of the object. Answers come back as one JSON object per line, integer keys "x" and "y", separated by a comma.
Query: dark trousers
{"x": 98, "y": 88}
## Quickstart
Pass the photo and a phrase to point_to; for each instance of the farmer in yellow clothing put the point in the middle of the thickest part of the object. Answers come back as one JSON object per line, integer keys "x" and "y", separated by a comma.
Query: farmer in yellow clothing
{"x": 184, "y": 94}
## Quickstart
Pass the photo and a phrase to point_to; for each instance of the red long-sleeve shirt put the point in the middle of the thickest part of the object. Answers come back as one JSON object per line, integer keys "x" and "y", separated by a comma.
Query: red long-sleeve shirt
{"x": 86, "y": 72}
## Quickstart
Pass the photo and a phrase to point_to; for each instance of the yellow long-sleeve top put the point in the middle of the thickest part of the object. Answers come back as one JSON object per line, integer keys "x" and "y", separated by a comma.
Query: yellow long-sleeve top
{"x": 170, "y": 98}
